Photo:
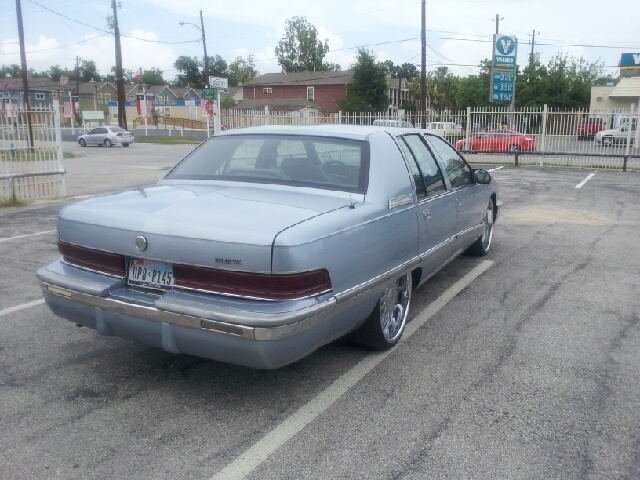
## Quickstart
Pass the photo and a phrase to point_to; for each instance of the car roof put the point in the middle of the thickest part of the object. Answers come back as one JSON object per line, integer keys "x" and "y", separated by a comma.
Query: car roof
{"x": 352, "y": 132}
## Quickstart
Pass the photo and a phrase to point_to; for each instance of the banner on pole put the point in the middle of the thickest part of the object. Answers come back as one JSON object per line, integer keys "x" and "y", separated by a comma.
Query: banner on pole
{"x": 207, "y": 108}
{"x": 71, "y": 106}
{"x": 9, "y": 108}
{"x": 144, "y": 105}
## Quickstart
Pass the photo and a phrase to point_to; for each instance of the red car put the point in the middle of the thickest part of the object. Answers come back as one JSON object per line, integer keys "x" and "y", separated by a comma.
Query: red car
{"x": 589, "y": 127}
{"x": 498, "y": 140}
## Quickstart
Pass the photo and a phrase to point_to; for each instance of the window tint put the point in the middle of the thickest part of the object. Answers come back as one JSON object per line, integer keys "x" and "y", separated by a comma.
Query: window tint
{"x": 458, "y": 170}
{"x": 415, "y": 171}
{"x": 328, "y": 163}
{"x": 428, "y": 166}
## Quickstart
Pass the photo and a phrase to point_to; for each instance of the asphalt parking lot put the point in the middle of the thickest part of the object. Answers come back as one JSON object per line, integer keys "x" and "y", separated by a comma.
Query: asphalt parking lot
{"x": 526, "y": 367}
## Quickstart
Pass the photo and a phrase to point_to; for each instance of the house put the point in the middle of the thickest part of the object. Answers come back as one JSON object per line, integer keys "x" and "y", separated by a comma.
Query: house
{"x": 322, "y": 88}
{"x": 279, "y": 104}
{"x": 234, "y": 93}
{"x": 397, "y": 94}
{"x": 619, "y": 97}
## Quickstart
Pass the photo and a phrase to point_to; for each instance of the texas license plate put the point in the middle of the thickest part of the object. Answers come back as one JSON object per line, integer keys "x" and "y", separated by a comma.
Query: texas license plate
{"x": 151, "y": 274}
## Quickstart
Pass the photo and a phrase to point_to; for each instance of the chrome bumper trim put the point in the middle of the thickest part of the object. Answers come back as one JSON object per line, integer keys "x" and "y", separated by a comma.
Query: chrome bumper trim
{"x": 326, "y": 312}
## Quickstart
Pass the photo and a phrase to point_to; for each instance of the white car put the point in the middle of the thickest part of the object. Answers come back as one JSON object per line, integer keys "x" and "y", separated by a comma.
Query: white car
{"x": 107, "y": 136}
{"x": 616, "y": 135}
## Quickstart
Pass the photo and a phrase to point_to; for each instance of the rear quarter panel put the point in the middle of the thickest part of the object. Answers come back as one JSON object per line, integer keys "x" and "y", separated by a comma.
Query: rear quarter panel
{"x": 357, "y": 244}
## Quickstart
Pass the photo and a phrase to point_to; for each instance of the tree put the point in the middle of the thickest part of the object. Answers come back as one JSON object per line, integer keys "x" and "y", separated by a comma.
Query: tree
{"x": 408, "y": 70}
{"x": 13, "y": 71}
{"x": 153, "y": 77}
{"x": 227, "y": 103}
{"x": 300, "y": 50}
{"x": 87, "y": 71}
{"x": 369, "y": 90}
{"x": 473, "y": 91}
{"x": 188, "y": 72}
{"x": 217, "y": 66}
{"x": 241, "y": 71}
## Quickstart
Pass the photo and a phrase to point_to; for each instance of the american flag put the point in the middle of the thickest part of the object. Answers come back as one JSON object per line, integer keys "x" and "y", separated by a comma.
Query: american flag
{"x": 144, "y": 107}
{"x": 71, "y": 106}
{"x": 64, "y": 80}
{"x": 139, "y": 74}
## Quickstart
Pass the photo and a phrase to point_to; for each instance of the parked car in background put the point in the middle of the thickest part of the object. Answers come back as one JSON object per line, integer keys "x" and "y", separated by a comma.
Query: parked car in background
{"x": 589, "y": 127}
{"x": 392, "y": 123}
{"x": 498, "y": 140}
{"x": 445, "y": 129}
{"x": 616, "y": 135}
{"x": 107, "y": 136}
{"x": 265, "y": 243}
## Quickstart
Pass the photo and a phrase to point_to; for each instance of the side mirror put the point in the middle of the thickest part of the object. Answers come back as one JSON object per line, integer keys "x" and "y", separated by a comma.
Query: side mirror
{"x": 481, "y": 176}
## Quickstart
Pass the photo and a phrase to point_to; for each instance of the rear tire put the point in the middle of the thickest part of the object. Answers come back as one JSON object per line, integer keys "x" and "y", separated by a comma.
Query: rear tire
{"x": 514, "y": 148}
{"x": 125, "y": 144}
{"x": 82, "y": 142}
{"x": 384, "y": 327}
{"x": 107, "y": 143}
{"x": 467, "y": 147}
{"x": 481, "y": 246}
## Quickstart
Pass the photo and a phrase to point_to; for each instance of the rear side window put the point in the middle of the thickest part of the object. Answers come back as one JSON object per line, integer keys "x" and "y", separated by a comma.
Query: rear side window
{"x": 428, "y": 166}
{"x": 328, "y": 163}
{"x": 458, "y": 170}
{"x": 421, "y": 191}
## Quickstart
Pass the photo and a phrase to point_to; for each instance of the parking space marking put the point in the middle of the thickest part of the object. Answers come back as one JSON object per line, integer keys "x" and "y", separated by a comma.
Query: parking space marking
{"x": 497, "y": 168}
{"x": 25, "y": 236}
{"x": 589, "y": 177}
{"x": 261, "y": 450}
{"x": 17, "y": 308}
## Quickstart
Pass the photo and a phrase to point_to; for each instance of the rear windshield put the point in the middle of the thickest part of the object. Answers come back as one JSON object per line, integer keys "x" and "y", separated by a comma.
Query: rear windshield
{"x": 328, "y": 163}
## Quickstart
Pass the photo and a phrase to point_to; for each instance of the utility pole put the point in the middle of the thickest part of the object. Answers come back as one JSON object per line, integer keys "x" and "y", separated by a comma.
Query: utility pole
{"x": 497, "y": 24}
{"x": 122, "y": 115}
{"x": 77, "y": 79}
{"x": 423, "y": 70}
{"x": 25, "y": 80}
{"x": 532, "y": 57}
{"x": 206, "y": 59}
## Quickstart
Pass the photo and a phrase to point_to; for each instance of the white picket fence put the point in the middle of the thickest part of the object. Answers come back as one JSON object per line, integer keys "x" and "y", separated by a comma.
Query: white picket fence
{"x": 555, "y": 131}
{"x": 31, "y": 155}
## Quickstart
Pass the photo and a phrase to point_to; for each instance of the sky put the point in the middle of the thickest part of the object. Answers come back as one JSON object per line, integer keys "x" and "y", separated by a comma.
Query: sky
{"x": 459, "y": 32}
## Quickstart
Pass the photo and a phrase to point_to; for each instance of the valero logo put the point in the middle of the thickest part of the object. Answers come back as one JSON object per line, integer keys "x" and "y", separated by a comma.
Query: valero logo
{"x": 505, "y": 45}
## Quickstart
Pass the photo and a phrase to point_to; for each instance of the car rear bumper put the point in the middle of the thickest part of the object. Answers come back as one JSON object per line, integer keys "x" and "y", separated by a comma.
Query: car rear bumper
{"x": 257, "y": 339}
{"x": 120, "y": 140}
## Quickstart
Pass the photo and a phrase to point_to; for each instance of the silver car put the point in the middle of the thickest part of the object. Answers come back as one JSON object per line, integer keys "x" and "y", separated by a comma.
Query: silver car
{"x": 616, "y": 135}
{"x": 107, "y": 136}
{"x": 266, "y": 243}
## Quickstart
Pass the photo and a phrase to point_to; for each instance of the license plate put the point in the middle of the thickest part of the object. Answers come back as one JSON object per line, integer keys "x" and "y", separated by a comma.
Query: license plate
{"x": 151, "y": 274}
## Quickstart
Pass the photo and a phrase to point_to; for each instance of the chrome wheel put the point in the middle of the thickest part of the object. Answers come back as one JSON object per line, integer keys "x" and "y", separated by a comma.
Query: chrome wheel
{"x": 394, "y": 308}
{"x": 488, "y": 227}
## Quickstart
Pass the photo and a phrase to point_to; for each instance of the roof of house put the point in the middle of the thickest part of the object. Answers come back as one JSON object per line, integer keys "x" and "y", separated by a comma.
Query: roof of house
{"x": 232, "y": 91}
{"x": 628, "y": 87}
{"x": 303, "y": 78}
{"x": 48, "y": 84}
{"x": 394, "y": 83}
{"x": 276, "y": 103}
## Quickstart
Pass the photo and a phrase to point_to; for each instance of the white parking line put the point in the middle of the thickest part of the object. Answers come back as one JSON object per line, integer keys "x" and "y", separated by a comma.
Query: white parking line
{"x": 497, "y": 168}
{"x": 260, "y": 451}
{"x": 589, "y": 177}
{"x": 25, "y": 236}
{"x": 17, "y": 308}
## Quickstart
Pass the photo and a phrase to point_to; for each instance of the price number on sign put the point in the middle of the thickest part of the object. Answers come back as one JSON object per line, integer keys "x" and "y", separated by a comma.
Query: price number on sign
{"x": 505, "y": 87}
{"x": 503, "y": 77}
{"x": 502, "y": 97}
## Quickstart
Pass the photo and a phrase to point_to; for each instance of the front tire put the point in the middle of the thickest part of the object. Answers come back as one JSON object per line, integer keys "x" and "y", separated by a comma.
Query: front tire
{"x": 107, "y": 143}
{"x": 467, "y": 147}
{"x": 514, "y": 148}
{"x": 384, "y": 327}
{"x": 82, "y": 142}
{"x": 481, "y": 246}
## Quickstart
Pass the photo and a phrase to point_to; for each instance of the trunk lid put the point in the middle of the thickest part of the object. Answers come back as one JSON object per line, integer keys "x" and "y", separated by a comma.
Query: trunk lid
{"x": 208, "y": 225}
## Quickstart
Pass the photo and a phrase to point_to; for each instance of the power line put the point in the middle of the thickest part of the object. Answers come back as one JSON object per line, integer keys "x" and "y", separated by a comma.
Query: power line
{"x": 60, "y": 46}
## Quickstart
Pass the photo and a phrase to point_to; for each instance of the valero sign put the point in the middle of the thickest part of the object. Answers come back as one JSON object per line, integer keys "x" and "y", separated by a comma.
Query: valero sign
{"x": 503, "y": 68}
{"x": 630, "y": 61}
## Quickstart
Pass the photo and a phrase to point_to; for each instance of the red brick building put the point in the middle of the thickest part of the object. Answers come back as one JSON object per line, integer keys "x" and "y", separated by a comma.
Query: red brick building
{"x": 321, "y": 88}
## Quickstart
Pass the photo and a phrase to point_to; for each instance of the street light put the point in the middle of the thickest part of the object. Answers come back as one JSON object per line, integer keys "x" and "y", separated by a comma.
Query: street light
{"x": 204, "y": 44}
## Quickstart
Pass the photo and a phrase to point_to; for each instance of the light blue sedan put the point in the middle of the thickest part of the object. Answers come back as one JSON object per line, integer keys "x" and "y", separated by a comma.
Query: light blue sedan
{"x": 266, "y": 243}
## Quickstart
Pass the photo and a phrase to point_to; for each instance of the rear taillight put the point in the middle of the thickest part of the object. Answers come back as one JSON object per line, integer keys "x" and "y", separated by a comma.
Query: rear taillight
{"x": 258, "y": 285}
{"x": 105, "y": 262}
{"x": 118, "y": 134}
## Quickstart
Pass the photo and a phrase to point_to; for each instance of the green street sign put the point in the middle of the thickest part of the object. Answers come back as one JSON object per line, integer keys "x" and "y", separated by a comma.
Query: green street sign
{"x": 209, "y": 93}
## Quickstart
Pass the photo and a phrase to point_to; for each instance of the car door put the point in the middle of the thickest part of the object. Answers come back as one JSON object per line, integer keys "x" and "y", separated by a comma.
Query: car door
{"x": 89, "y": 137}
{"x": 100, "y": 135}
{"x": 471, "y": 199}
{"x": 436, "y": 207}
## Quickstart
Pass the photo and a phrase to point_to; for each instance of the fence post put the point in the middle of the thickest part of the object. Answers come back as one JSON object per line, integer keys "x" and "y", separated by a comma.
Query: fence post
{"x": 469, "y": 126}
{"x": 58, "y": 133}
{"x": 624, "y": 163}
{"x": 516, "y": 158}
{"x": 629, "y": 127}
{"x": 543, "y": 133}
{"x": 266, "y": 114}
{"x": 12, "y": 192}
